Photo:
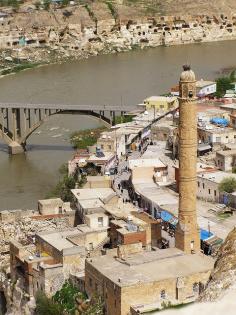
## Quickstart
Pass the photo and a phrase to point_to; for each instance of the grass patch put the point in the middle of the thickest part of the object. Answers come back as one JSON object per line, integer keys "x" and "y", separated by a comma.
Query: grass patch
{"x": 112, "y": 10}
{"x": 84, "y": 138}
{"x": 19, "y": 68}
{"x": 123, "y": 119}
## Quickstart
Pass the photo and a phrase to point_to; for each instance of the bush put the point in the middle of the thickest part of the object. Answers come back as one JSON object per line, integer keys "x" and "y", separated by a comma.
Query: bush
{"x": 228, "y": 185}
{"x": 224, "y": 83}
{"x": 45, "y": 306}
{"x": 66, "y": 297}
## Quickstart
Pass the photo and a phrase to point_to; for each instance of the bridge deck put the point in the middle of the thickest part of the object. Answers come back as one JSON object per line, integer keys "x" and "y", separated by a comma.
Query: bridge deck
{"x": 70, "y": 107}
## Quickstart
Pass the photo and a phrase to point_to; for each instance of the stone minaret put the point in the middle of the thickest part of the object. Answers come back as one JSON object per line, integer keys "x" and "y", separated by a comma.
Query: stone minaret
{"x": 187, "y": 233}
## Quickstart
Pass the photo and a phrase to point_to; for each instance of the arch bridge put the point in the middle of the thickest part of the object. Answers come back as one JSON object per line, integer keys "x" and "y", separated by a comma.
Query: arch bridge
{"x": 19, "y": 121}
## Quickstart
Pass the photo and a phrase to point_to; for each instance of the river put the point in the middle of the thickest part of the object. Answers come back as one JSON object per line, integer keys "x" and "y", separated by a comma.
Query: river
{"x": 125, "y": 78}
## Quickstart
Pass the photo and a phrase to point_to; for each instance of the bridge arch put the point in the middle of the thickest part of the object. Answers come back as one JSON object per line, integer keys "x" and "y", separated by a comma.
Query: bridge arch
{"x": 99, "y": 117}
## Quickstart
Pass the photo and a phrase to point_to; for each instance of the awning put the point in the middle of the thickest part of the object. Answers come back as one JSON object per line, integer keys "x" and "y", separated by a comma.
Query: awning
{"x": 204, "y": 147}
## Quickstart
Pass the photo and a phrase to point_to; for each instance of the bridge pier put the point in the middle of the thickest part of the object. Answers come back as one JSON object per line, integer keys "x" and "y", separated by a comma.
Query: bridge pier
{"x": 15, "y": 148}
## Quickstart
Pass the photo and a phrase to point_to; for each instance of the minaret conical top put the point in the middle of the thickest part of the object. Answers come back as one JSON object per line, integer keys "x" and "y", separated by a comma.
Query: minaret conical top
{"x": 187, "y": 75}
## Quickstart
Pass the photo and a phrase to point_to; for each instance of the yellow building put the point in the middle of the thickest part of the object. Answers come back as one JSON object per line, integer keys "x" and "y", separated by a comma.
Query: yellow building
{"x": 161, "y": 103}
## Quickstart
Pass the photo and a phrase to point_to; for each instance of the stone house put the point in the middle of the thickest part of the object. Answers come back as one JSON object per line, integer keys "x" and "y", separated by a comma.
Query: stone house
{"x": 53, "y": 206}
{"x": 143, "y": 280}
{"x": 54, "y": 256}
{"x": 208, "y": 185}
{"x": 226, "y": 160}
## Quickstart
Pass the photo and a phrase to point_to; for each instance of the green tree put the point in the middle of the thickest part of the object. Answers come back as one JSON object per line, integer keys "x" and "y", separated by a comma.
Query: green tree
{"x": 223, "y": 84}
{"x": 66, "y": 297}
{"x": 45, "y": 305}
{"x": 228, "y": 184}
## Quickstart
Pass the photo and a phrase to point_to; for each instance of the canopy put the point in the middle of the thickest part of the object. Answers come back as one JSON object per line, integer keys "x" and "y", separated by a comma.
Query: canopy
{"x": 204, "y": 234}
{"x": 219, "y": 121}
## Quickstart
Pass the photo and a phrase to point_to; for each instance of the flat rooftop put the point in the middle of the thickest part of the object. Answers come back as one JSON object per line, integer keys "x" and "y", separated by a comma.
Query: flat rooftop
{"x": 148, "y": 267}
{"x": 91, "y": 203}
{"x": 63, "y": 239}
{"x": 216, "y": 177}
{"x": 146, "y": 162}
{"x": 92, "y": 193}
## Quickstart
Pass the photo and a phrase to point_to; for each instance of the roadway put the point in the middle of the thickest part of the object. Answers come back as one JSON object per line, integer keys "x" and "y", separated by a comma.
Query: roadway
{"x": 70, "y": 107}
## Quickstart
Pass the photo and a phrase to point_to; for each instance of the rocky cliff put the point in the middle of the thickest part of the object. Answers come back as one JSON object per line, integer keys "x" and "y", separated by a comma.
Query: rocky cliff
{"x": 223, "y": 277}
{"x": 89, "y": 28}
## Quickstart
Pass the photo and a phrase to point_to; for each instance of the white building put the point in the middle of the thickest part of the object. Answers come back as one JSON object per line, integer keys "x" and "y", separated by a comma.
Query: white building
{"x": 205, "y": 88}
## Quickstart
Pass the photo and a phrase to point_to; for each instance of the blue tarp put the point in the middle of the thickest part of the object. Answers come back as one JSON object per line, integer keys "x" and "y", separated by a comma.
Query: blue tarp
{"x": 220, "y": 121}
{"x": 204, "y": 234}
{"x": 166, "y": 216}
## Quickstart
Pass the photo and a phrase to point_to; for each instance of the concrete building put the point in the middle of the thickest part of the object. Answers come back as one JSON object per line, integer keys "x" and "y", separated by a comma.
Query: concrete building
{"x": 161, "y": 103}
{"x": 133, "y": 281}
{"x": 147, "y": 168}
{"x": 226, "y": 160}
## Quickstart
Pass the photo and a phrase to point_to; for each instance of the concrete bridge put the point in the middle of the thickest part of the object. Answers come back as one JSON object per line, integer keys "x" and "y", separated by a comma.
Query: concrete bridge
{"x": 19, "y": 121}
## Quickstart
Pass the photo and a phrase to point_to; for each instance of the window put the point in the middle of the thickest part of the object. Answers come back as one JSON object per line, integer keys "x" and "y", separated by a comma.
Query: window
{"x": 100, "y": 221}
{"x": 115, "y": 303}
{"x": 203, "y": 185}
{"x": 90, "y": 282}
{"x": 215, "y": 193}
{"x": 96, "y": 287}
{"x": 109, "y": 147}
{"x": 209, "y": 191}
{"x": 198, "y": 184}
{"x": 163, "y": 294}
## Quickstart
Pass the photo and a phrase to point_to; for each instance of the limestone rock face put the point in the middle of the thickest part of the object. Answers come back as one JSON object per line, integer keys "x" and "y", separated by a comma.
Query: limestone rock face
{"x": 223, "y": 277}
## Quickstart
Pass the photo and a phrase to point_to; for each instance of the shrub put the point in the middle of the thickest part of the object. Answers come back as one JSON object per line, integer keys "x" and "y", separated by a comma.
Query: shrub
{"x": 228, "y": 184}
